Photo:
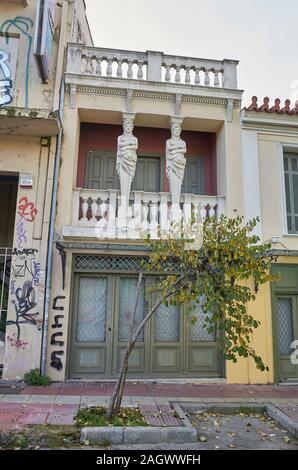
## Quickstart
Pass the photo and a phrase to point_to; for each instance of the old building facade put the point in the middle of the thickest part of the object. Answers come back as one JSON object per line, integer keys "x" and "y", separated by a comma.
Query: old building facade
{"x": 146, "y": 136}
{"x": 33, "y": 37}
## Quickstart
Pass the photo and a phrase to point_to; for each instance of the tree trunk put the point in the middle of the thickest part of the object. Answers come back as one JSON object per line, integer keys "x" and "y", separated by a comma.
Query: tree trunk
{"x": 116, "y": 398}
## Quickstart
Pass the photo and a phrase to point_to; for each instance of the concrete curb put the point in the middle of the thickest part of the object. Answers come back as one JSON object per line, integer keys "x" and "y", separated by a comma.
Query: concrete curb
{"x": 138, "y": 435}
{"x": 283, "y": 419}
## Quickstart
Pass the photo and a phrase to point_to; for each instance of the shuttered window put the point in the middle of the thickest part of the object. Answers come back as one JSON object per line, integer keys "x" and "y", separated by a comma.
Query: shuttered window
{"x": 101, "y": 170}
{"x": 193, "y": 182}
{"x": 147, "y": 176}
{"x": 291, "y": 186}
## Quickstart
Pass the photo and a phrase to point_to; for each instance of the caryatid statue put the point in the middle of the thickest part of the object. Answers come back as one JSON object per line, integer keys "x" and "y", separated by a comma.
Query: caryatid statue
{"x": 175, "y": 161}
{"x": 126, "y": 159}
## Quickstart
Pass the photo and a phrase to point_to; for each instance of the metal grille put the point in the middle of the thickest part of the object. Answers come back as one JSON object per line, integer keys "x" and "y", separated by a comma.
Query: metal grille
{"x": 92, "y": 309}
{"x": 167, "y": 324}
{"x": 101, "y": 263}
{"x": 285, "y": 325}
{"x": 128, "y": 292}
{"x": 198, "y": 332}
{"x": 5, "y": 268}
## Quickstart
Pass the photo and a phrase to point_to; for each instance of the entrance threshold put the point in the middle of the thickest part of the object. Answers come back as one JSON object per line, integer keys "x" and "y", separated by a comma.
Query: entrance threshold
{"x": 178, "y": 381}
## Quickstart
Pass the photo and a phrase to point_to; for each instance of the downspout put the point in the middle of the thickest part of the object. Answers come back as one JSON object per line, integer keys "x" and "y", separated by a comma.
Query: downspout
{"x": 51, "y": 235}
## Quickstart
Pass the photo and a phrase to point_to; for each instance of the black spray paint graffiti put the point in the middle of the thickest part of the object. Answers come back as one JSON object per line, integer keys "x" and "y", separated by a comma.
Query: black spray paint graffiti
{"x": 55, "y": 359}
{"x": 24, "y": 304}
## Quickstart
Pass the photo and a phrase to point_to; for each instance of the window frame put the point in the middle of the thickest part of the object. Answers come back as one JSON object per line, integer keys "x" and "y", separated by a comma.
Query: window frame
{"x": 286, "y": 148}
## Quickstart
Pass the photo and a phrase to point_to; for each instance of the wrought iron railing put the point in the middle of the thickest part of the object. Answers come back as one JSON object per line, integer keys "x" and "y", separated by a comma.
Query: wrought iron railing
{"x": 5, "y": 268}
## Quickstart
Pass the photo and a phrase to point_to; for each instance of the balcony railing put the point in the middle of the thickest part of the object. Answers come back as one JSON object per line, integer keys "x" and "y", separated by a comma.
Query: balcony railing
{"x": 101, "y": 213}
{"x": 150, "y": 66}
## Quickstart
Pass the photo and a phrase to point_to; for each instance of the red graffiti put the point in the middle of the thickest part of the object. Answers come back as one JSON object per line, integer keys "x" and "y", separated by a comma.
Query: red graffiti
{"x": 27, "y": 209}
{"x": 18, "y": 344}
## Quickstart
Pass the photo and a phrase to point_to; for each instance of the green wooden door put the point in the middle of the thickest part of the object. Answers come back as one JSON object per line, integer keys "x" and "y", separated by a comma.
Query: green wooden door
{"x": 287, "y": 332}
{"x": 167, "y": 347}
{"x": 193, "y": 182}
{"x": 285, "y": 321}
{"x": 147, "y": 176}
{"x": 91, "y": 337}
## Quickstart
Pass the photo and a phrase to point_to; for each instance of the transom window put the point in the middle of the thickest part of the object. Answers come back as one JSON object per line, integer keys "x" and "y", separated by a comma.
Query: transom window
{"x": 291, "y": 186}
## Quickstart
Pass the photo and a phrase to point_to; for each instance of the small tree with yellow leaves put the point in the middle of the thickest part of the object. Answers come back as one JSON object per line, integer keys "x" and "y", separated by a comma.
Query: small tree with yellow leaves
{"x": 213, "y": 275}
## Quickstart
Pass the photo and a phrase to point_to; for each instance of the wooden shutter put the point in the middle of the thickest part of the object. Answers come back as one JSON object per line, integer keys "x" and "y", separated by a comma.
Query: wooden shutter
{"x": 193, "y": 182}
{"x": 101, "y": 170}
{"x": 291, "y": 186}
{"x": 147, "y": 177}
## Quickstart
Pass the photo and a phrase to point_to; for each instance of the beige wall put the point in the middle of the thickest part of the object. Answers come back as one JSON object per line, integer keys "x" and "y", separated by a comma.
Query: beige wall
{"x": 23, "y": 335}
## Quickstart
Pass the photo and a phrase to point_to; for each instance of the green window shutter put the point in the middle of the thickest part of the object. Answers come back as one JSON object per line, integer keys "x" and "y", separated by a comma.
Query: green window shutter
{"x": 193, "y": 182}
{"x": 101, "y": 170}
{"x": 291, "y": 188}
{"x": 147, "y": 176}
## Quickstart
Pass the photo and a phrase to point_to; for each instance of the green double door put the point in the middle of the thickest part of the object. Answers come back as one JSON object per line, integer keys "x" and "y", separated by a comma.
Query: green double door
{"x": 285, "y": 322}
{"x": 168, "y": 346}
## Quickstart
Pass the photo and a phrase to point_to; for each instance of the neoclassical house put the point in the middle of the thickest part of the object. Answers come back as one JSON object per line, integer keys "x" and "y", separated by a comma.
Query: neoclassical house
{"x": 147, "y": 137}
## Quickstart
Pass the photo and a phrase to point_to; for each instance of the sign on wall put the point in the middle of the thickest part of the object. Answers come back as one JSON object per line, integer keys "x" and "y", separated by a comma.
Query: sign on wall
{"x": 9, "y": 48}
{"x": 43, "y": 39}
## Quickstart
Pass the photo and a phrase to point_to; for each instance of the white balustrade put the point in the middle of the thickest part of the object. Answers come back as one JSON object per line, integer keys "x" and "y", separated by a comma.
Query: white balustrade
{"x": 151, "y": 66}
{"x": 148, "y": 213}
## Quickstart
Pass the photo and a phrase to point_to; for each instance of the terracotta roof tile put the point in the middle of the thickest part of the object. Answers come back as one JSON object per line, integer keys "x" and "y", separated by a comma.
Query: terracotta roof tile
{"x": 276, "y": 108}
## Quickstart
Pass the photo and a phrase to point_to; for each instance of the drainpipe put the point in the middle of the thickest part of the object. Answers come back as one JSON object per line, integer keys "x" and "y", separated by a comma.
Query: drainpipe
{"x": 51, "y": 235}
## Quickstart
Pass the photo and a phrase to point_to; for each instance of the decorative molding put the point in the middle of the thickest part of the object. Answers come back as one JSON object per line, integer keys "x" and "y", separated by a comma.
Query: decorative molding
{"x": 230, "y": 108}
{"x": 129, "y": 95}
{"x": 72, "y": 96}
{"x": 178, "y": 100}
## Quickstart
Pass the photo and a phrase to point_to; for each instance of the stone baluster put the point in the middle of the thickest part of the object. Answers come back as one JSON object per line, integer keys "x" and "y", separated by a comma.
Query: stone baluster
{"x": 216, "y": 78}
{"x": 207, "y": 78}
{"x": 129, "y": 69}
{"x": 140, "y": 75}
{"x": 109, "y": 68}
{"x": 177, "y": 74}
{"x": 203, "y": 212}
{"x": 112, "y": 213}
{"x": 197, "y": 76}
{"x": 119, "y": 69}
{"x": 145, "y": 210}
{"x": 89, "y": 68}
{"x": 138, "y": 209}
{"x": 187, "y": 75}
{"x": 164, "y": 212}
{"x": 98, "y": 66}
{"x": 187, "y": 207}
{"x": 153, "y": 219}
{"x": 168, "y": 73}
{"x": 94, "y": 209}
{"x": 76, "y": 203}
{"x": 85, "y": 206}
{"x": 211, "y": 211}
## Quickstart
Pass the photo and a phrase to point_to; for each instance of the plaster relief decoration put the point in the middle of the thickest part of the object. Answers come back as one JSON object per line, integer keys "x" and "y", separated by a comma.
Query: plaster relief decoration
{"x": 127, "y": 145}
{"x": 175, "y": 164}
{"x": 9, "y": 47}
{"x": 20, "y": 25}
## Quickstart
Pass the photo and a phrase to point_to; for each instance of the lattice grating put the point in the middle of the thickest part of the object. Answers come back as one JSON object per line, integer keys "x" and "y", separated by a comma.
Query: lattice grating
{"x": 198, "y": 331}
{"x": 113, "y": 263}
{"x": 285, "y": 325}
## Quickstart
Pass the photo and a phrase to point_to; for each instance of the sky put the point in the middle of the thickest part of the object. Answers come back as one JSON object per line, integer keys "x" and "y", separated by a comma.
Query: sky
{"x": 261, "y": 34}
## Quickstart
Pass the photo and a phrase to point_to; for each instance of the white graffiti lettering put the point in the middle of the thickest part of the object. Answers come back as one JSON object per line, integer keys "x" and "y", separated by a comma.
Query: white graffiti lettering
{"x": 6, "y": 82}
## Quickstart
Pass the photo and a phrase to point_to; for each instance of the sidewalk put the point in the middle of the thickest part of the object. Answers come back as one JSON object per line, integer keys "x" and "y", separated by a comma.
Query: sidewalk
{"x": 58, "y": 403}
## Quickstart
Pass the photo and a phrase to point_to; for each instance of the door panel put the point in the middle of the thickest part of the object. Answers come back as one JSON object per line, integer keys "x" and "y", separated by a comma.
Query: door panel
{"x": 202, "y": 353}
{"x": 166, "y": 341}
{"x": 287, "y": 330}
{"x": 91, "y": 337}
{"x": 126, "y": 291}
{"x": 193, "y": 182}
{"x": 101, "y": 171}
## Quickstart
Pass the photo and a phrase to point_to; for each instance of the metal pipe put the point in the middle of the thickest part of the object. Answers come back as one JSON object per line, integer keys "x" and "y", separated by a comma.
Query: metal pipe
{"x": 51, "y": 235}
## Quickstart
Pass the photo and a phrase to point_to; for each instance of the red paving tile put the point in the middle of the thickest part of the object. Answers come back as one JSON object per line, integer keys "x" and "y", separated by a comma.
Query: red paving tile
{"x": 60, "y": 419}
{"x": 8, "y": 418}
{"x": 33, "y": 418}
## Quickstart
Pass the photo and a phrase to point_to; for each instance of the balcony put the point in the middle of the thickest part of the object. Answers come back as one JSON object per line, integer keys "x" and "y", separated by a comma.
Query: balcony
{"x": 98, "y": 214}
{"x": 153, "y": 75}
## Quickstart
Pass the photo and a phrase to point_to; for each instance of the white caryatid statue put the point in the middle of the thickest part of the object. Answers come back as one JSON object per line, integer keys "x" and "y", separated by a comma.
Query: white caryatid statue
{"x": 126, "y": 160}
{"x": 175, "y": 162}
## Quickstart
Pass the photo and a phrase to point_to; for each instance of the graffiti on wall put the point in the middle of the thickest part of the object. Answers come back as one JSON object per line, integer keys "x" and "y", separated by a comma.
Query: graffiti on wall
{"x": 25, "y": 277}
{"x": 9, "y": 46}
{"x": 56, "y": 340}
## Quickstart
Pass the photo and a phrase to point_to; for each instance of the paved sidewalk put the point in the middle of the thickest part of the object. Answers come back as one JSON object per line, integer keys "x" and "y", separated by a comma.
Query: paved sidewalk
{"x": 58, "y": 403}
